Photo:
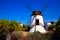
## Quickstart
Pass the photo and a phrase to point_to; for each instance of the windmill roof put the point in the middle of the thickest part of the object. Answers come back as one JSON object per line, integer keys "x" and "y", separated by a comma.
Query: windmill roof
{"x": 36, "y": 13}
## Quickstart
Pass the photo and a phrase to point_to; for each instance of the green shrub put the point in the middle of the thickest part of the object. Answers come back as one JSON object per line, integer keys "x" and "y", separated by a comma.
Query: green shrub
{"x": 49, "y": 35}
{"x": 36, "y": 36}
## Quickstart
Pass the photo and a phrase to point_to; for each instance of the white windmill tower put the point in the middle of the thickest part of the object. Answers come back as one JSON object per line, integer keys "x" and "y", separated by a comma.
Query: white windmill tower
{"x": 36, "y": 22}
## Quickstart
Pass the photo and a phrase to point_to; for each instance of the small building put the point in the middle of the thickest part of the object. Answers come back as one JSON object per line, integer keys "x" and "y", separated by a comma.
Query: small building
{"x": 48, "y": 24}
{"x": 22, "y": 25}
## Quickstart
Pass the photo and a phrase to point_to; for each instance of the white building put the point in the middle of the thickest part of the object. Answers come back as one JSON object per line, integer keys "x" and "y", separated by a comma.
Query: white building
{"x": 48, "y": 24}
{"x": 37, "y": 23}
{"x": 21, "y": 25}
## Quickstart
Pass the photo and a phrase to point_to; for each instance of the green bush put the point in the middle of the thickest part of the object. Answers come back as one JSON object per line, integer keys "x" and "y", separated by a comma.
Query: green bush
{"x": 36, "y": 36}
{"x": 49, "y": 35}
{"x": 56, "y": 34}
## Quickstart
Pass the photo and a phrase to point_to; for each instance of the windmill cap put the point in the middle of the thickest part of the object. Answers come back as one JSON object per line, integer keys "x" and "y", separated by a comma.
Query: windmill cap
{"x": 36, "y": 13}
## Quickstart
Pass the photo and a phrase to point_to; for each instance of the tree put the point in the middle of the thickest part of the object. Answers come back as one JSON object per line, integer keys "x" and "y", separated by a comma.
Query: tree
{"x": 56, "y": 34}
{"x": 58, "y": 25}
{"x": 15, "y": 26}
{"x": 10, "y": 25}
{"x": 26, "y": 28}
{"x": 52, "y": 26}
{"x": 4, "y": 24}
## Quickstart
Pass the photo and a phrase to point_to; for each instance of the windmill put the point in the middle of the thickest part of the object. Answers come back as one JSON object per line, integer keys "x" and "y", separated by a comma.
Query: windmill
{"x": 28, "y": 7}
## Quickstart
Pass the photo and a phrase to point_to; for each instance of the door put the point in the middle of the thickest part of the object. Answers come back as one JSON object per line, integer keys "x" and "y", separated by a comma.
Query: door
{"x": 37, "y": 21}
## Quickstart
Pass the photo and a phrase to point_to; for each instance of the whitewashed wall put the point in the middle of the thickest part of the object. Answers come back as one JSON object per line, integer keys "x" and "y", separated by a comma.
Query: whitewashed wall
{"x": 39, "y": 27}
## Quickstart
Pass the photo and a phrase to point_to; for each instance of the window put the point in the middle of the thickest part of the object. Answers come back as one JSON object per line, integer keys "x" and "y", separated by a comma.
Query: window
{"x": 37, "y": 21}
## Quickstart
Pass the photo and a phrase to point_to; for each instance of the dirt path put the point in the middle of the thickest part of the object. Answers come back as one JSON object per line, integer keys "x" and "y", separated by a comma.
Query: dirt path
{"x": 20, "y": 35}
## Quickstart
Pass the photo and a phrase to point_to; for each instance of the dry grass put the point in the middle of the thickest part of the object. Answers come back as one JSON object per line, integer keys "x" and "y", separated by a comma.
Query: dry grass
{"x": 19, "y": 35}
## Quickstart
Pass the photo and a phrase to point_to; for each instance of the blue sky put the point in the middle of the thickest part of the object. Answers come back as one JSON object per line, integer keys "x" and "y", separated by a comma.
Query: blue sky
{"x": 20, "y": 10}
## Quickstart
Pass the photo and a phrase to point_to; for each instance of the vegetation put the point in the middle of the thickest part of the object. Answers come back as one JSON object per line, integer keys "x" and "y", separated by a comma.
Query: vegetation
{"x": 16, "y": 35}
{"x": 56, "y": 27}
{"x": 56, "y": 34}
{"x": 39, "y": 36}
{"x": 26, "y": 28}
{"x": 52, "y": 26}
{"x": 8, "y": 27}
{"x": 12, "y": 26}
